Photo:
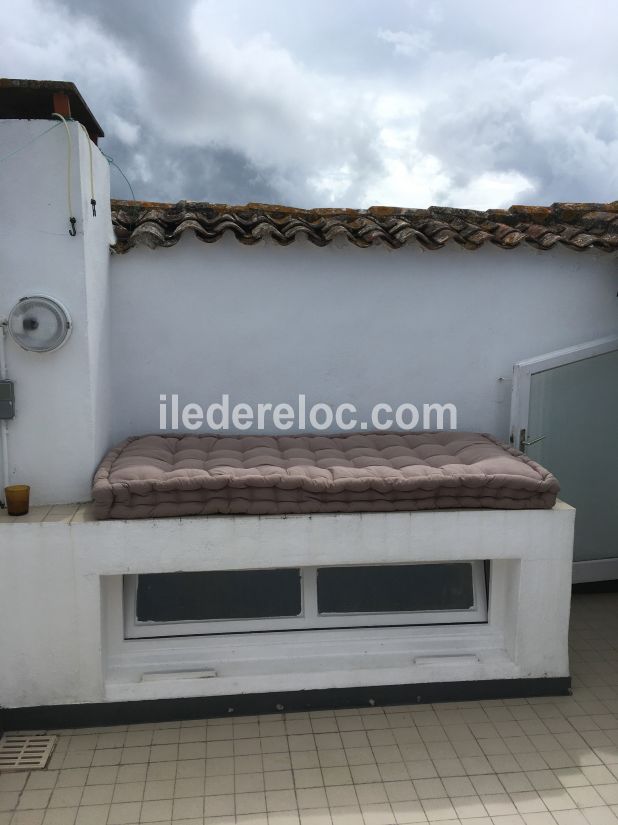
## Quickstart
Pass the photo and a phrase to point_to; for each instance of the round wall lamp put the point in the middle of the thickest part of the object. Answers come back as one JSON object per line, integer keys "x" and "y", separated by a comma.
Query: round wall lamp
{"x": 39, "y": 324}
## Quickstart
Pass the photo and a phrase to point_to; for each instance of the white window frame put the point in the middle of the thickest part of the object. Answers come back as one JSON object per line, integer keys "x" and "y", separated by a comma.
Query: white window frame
{"x": 309, "y": 618}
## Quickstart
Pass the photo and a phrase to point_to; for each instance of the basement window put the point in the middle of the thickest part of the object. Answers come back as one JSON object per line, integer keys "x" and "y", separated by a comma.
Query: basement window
{"x": 308, "y": 598}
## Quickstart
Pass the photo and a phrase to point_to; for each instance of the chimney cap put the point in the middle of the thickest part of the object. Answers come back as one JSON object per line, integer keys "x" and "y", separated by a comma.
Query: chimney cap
{"x": 37, "y": 99}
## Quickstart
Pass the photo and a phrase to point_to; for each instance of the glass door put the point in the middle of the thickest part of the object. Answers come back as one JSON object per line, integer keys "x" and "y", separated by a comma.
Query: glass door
{"x": 565, "y": 416}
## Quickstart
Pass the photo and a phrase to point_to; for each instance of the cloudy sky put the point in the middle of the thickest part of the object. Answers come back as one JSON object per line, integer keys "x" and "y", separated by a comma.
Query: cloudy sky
{"x": 339, "y": 102}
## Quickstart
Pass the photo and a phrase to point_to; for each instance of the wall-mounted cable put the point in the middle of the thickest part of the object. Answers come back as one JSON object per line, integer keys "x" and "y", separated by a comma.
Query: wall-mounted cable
{"x": 64, "y": 121}
{"x": 72, "y": 218}
{"x": 29, "y": 143}
{"x": 93, "y": 202}
{"x": 113, "y": 163}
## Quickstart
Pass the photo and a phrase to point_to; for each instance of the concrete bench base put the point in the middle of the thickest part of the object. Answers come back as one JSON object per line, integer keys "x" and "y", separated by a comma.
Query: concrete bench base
{"x": 63, "y": 638}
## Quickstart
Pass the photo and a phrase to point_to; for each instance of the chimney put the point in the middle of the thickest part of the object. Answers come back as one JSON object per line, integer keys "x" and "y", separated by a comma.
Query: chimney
{"x": 55, "y": 242}
{"x": 39, "y": 99}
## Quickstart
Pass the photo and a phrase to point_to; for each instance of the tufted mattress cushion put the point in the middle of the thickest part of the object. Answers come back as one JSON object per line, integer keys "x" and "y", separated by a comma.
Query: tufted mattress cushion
{"x": 185, "y": 475}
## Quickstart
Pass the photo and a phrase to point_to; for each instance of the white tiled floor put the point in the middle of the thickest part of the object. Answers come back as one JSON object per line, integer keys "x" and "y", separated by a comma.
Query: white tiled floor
{"x": 514, "y": 762}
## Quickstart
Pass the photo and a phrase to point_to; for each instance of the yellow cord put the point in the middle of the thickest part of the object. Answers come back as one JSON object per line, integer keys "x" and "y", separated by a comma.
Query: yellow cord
{"x": 72, "y": 219}
{"x": 93, "y": 201}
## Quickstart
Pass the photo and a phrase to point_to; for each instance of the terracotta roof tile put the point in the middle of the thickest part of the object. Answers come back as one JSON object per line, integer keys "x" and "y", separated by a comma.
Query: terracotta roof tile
{"x": 576, "y": 226}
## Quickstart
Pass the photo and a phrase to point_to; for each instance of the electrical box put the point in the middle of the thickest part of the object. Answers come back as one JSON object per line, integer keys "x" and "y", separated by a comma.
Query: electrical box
{"x": 7, "y": 399}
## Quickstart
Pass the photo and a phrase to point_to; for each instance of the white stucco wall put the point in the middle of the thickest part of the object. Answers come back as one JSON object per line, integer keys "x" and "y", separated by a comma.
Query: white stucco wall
{"x": 266, "y": 323}
{"x": 262, "y": 323}
{"x": 62, "y": 424}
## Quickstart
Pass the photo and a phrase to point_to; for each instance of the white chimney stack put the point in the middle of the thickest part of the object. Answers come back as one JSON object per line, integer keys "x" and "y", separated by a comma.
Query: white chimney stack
{"x": 53, "y": 245}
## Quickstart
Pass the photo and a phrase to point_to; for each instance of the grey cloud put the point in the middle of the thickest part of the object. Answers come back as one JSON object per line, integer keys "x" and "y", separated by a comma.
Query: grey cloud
{"x": 566, "y": 146}
{"x": 213, "y": 125}
{"x": 339, "y": 103}
{"x": 218, "y": 175}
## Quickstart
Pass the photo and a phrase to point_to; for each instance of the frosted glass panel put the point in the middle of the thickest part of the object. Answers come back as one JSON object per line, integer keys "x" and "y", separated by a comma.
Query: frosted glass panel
{"x": 575, "y": 407}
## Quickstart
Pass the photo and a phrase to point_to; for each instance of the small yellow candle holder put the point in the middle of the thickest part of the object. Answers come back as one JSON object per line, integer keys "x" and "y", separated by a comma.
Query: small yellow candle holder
{"x": 17, "y": 498}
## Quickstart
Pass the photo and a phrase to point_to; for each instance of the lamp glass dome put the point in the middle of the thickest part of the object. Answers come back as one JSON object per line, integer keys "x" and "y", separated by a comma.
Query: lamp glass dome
{"x": 39, "y": 324}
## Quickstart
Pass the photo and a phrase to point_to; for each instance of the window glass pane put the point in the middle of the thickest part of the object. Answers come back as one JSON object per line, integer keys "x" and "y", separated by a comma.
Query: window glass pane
{"x": 565, "y": 402}
{"x": 227, "y": 594}
{"x": 395, "y": 588}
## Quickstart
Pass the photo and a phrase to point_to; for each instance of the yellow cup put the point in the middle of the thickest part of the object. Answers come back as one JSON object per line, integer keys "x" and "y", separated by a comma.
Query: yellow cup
{"x": 17, "y": 498}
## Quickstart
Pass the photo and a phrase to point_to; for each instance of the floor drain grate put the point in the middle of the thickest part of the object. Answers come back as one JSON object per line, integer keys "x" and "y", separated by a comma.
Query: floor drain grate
{"x": 20, "y": 752}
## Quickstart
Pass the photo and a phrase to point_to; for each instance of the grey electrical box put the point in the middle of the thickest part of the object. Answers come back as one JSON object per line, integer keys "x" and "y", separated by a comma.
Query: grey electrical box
{"x": 7, "y": 399}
